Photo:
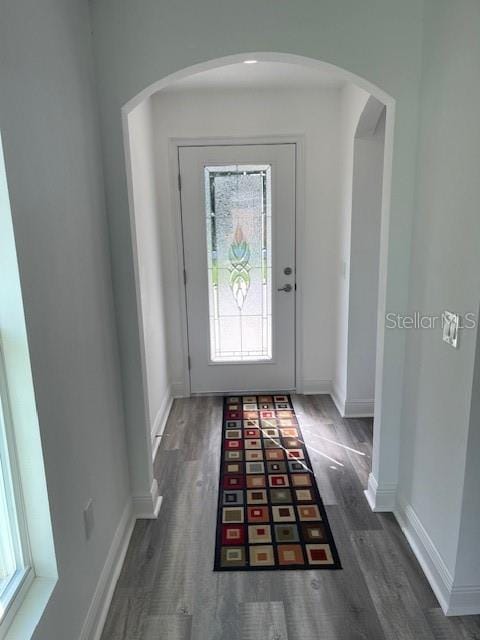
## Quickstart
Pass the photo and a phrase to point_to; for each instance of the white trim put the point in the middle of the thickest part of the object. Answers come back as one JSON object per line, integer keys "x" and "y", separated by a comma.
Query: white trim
{"x": 160, "y": 421}
{"x": 99, "y": 606}
{"x": 136, "y": 273}
{"x": 147, "y": 507}
{"x": 351, "y": 408}
{"x": 381, "y": 497}
{"x": 135, "y": 509}
{"x": 358, "y": 409}
{"x": 454, "y": 600}
{"x": 26, "y": 618}
{"x": 155, "y": 445}
{"x": 236, "y": 392}
{"x": 427, "y": 554}
{"x": 176, "y": 204}
{"x": 13, "y": 510}
{"x": 464, "y": 601}
{"x": 315, "y": 387}
{"x": 179, "y": 390}
{"x": 385, "y": 445}
{"x": 338, "y": 398}
{"x": 298, "y": 139}
{"x": 261, "y": 56}
{"x": 19, "y": 588}
{"x": 300, "y": 234}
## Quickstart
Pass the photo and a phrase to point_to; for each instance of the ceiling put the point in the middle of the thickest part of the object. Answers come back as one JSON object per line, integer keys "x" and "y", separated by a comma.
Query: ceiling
{"x": 265, "y": 75}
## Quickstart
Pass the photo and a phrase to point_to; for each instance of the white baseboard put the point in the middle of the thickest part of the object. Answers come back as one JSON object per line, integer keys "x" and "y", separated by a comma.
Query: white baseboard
{"x": 136, "y": 508}
{"x": 155, "y": 444}
{"x": 381, "y": 497}
{"x": 179, "y": 389}
{"x": 315, "y": 387}
{"x": 160, "y": 421}
{"x": 455, "y": 600}
{"x": 146, "y": 507}
{"x": 97, "y": 612}
{"x": 426, "y": 553}
{"x": 358, "y": 408}
{"x": 351, "y": 408}
{"x": 464, "y": 601}
{"x": 338, "y": 398}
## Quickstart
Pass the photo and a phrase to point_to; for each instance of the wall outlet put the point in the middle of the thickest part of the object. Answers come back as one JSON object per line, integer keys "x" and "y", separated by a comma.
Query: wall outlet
{"x": 88, "y": 519}
{"x": 451, "y": 324}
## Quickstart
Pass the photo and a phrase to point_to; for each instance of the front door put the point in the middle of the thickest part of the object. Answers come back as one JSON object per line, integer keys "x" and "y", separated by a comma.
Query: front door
{"x": 238, "y": 223}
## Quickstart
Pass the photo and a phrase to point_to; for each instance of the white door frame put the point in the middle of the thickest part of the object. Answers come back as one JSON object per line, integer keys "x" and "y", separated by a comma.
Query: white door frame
{"x": 299, "y": 141}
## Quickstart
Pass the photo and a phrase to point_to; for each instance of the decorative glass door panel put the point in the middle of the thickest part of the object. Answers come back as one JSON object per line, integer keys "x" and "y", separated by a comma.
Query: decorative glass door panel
{"x": 238, "y": 226}
{"x": 238, "y": 207}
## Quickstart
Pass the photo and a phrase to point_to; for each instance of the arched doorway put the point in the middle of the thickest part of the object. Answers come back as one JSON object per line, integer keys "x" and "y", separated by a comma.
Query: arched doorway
{"x": 155, "y": 416}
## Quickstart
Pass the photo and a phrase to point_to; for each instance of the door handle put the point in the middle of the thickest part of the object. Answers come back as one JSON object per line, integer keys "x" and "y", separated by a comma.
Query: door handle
{"x": 287, "y": 288}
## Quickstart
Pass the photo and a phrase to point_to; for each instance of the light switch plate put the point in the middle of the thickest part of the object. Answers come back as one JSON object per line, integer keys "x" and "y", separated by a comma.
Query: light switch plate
{"x": 451, "y": 323}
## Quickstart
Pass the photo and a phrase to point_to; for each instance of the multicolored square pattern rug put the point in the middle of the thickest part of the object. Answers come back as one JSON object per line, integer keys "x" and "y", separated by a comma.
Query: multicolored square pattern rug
{"x": 270, "y": 514}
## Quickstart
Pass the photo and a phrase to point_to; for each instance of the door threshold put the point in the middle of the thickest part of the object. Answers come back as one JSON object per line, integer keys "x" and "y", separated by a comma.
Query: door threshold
{"x": 243, "y": 393}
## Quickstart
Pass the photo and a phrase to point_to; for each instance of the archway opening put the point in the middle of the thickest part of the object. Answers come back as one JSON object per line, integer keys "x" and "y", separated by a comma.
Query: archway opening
{"x": 181, "y": 107}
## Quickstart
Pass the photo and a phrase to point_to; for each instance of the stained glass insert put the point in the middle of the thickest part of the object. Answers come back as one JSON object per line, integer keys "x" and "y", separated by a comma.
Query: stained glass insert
{"x": 239, "y": 231}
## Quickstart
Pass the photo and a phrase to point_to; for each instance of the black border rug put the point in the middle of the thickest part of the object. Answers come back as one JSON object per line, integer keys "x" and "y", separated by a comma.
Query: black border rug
{"x": 270, "y": 513}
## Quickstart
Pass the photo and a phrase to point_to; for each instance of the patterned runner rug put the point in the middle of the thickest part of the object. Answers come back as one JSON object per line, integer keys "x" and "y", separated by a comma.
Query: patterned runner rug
{"x": 270, "y": 513}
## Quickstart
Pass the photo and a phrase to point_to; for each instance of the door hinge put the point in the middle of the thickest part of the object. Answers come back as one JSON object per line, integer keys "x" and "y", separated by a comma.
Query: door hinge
{"x": 189, "y": 363}
{"x": 184, "y": 276}
{"x": 179, "y": 182}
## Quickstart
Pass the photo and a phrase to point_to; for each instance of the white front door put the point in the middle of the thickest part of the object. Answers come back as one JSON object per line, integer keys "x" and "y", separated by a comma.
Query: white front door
{"x": 238, "y": 222}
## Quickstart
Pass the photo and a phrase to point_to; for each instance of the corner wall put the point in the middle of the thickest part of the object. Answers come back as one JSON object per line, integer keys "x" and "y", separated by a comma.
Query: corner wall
{"x": 368, "y": 161}
{"x": 49, "y": 124}
{"x": 145, "y": 180}
{"x": 353, "y": 101}
{"x": 439, "y": 462}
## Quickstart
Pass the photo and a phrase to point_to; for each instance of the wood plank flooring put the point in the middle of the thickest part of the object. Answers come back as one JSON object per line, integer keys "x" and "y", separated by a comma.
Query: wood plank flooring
{"x": 168, "y": 591}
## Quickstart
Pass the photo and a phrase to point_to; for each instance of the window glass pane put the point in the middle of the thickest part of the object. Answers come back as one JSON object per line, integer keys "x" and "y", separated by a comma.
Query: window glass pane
{"x": 11, "y": 557}
{"x": 7, "y": 555}
{"x": 19, "y": 441}
{"x": 239, "y": 232}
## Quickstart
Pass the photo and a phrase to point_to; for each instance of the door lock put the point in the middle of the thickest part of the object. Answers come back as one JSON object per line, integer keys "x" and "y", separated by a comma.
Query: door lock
{"x": 286, "y": 287}
{"x": 287, "y": 271}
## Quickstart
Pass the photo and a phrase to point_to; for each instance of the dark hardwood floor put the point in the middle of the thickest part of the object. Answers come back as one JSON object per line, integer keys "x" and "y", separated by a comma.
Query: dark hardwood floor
{"x": 168, "y": 591}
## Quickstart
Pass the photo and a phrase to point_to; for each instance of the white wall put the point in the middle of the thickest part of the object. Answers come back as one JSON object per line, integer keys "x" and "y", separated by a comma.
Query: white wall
{"x": 150, "y": 278}
{"x": 467, "y": 570}
{"x": 357, "y": 265}
{"x": 353, "y": 101}
{"x": 48, "y": 119}
{"x": 313, "y": 113}
{"x": 439, "y": 462}
{"x": 364, "y": 263}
